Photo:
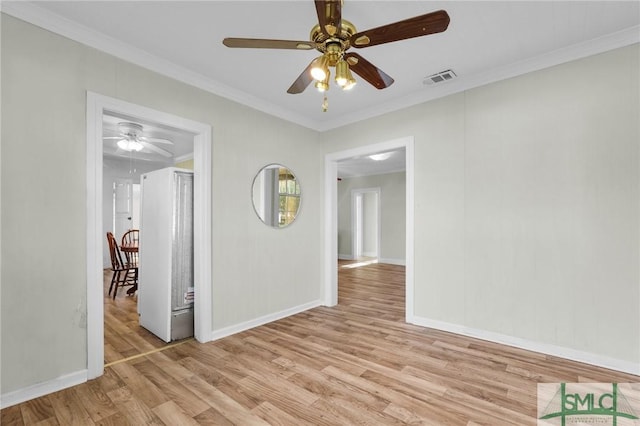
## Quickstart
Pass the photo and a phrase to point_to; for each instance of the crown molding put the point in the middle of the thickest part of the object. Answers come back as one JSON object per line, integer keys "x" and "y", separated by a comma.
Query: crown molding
{"x": 50, "y": 21}
{"x": 55, "y": 23}
{"x": 182, "y": 158}
{"x": 574, "y": 52}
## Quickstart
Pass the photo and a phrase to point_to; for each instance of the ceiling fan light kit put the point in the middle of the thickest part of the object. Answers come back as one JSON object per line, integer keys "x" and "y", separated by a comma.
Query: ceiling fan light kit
{"x": 342, "y": 68}
{"x": 320, "y": 68}
{"x": 333, "y": 36}
{"x": 323, "y": 85}
{"x": 381, "y": 156}
{"x": 131, "y": 139}
{"x": 129, "y": 145}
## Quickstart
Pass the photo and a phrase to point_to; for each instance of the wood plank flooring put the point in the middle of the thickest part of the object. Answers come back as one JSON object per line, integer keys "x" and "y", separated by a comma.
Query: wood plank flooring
{"x": 356, "y": 363}
{"x": 123, "y": 336}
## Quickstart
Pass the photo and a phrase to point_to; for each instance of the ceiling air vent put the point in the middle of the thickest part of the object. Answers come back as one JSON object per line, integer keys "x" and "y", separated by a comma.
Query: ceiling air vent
{"x": 439, "y": 77}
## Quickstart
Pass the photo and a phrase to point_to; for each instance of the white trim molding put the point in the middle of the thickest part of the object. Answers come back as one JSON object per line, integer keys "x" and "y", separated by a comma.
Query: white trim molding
{"x": 331, "y": 216}
{"x": 60, "y": 25}
{"x": 40, "y": 389}
{"x": 97, "y": 105}
{"x": 256, "y": 322}
{"x": 544, "y": 348}
{"x": 182, "y": 158}
{"x": 389, "y": 261}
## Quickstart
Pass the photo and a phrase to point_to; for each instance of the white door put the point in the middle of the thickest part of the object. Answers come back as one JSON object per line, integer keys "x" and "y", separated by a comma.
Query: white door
{"x": 370, "y": 224}
{"x": 154, "y": 275}
{"x": 357, "y": 238}
{"x": 122, "y": 207}
{"x": 365, "y": 222}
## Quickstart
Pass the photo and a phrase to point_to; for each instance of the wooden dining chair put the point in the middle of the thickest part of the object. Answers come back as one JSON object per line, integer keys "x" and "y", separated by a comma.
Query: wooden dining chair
{"x": 124, "y": 274}
{"x": 131, "y": 238}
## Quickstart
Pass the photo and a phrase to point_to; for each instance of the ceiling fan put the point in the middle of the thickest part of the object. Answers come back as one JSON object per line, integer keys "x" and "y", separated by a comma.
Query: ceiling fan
{"x": 131, "y": 139}
{"x": 334, "y": 36}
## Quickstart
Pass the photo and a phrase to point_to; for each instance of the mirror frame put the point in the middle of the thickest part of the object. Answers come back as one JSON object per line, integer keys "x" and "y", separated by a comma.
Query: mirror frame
{"x": 254, "y": 202}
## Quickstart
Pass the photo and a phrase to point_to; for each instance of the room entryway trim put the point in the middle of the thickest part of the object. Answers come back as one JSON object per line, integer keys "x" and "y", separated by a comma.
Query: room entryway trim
{"x": 97, "y": 105}
{"x": 330, "y": 268}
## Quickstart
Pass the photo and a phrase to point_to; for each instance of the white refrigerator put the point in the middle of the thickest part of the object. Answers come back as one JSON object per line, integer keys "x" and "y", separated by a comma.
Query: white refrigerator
{"x": 165, "y": 272}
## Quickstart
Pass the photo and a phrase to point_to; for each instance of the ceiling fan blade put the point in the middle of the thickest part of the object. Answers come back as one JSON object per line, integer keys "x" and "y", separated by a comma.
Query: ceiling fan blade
{"x": 329, "y": 16}
{"x": 155, "y": 140}
{"x": 365, "y": 69}
{"x": 302, "y": 81}
{"x": 431, "y": 23}
{"x": 112, "y": 137}
{"x": 263, "y": 43}
{"x": 156, "y": 150}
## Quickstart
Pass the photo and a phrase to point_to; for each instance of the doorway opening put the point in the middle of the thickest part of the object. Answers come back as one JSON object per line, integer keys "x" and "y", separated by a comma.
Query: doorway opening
{"x": 98, "y": 107}
{"x": 125, "y": 212}
{"x": 365, "y": 223}
{"x": 331, "y": 253}
{"x": 137, "y": 322}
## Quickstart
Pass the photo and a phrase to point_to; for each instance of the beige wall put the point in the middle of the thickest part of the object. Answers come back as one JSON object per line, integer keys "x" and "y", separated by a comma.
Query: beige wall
{"x": 527, "y": 205}
{"x": 526, "y": 202}
{"x": 187, "y": 164}
{"x": 43, "y": 296}
{"x": 392, "y": 214}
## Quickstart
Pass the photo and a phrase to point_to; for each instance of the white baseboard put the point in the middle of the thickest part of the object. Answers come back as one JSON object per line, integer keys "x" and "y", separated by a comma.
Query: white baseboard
{"x": 21, "y": 395}
{"x": 40, "y": 389}
{"x": 545, "y": 348}
{"x": 390, "y": 261}
{"x": 237, "y": 328}
{"x": 400, "y": 262}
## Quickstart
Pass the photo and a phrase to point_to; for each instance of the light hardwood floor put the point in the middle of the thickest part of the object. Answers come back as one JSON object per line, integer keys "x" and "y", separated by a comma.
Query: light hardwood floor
{"x": 123, "y": 336}
{"x": 356, "y": 363}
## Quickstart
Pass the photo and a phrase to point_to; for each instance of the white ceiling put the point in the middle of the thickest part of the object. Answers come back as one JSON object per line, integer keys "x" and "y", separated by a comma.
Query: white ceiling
{"x": 486, "y": 41}
{"x": 367, "y": 166}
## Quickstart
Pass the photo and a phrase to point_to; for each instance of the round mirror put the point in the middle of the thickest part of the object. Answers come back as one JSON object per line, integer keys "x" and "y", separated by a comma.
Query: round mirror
{"x": 276, "y": 195}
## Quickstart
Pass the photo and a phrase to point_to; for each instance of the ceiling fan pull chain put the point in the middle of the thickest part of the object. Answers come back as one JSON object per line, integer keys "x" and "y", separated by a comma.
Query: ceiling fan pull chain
{"x": 325, "y": 103}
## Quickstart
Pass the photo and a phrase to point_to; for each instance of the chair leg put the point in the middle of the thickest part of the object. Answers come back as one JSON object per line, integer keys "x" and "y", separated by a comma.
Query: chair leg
{"x": 135, "y": 282}
{"x": 113, "y": 280}
{"x": 117, "y": 281}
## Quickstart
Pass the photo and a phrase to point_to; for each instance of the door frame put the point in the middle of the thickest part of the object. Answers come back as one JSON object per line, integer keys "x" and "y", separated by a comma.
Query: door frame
{"x": 357, "y": 196}
{"x": 330, "y": 260}
{"x": 97, "y": 105}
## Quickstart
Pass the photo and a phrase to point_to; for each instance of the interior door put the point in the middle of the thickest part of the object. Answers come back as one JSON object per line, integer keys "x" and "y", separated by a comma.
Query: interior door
{"x": 365, "y": 222}
{"x": 122, "y": 207}
{"x": 357, "y": 237}
{"x": 155, "y": 253}
{"x": 370, "y": 224}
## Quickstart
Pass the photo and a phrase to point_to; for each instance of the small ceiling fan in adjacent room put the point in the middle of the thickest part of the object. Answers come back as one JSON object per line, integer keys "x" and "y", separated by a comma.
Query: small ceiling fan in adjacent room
{"x": 334, "y": 36}
{"x": 131, "y": 139}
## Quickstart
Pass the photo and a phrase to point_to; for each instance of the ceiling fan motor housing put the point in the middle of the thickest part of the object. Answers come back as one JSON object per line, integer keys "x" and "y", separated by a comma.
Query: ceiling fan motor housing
{"x": 334, "y": 45}
{"x": 131, "y": 130}
{"x": 333, "y": 36}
